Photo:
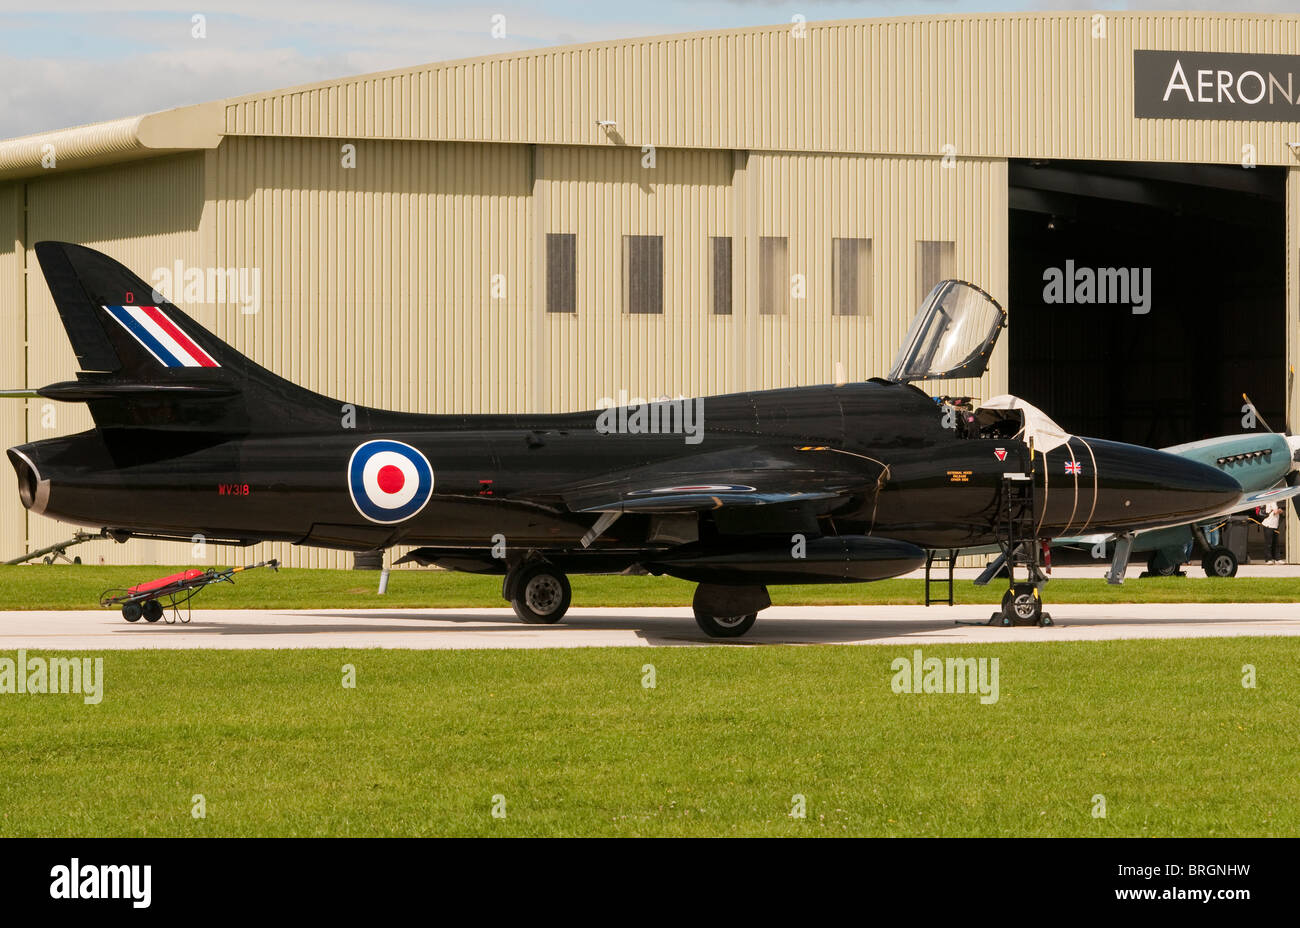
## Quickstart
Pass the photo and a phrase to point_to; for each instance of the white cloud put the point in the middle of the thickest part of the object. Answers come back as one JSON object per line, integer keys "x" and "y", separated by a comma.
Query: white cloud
{"x": 51, "y": 94}
{"x": 71, "y": 62}
{"x": 148, "y": 63}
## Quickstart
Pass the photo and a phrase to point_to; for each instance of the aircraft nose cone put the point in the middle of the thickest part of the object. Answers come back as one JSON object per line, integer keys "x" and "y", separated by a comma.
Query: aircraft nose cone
{"x": 1141, "y": 487}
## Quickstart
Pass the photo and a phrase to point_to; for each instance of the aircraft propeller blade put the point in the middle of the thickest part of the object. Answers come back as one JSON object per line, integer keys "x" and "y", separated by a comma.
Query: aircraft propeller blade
{"x": 1258, "y": 414}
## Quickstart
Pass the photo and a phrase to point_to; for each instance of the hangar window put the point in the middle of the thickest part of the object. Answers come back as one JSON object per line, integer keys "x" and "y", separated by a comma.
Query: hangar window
{"x": 851, "y": 276}
{"x": 773, "y": 275}
{"x": 721, "y": 245}
{"x": 934, "y": 262}
{"x": 561, "y": 272}
{"x": 643, "y": 274}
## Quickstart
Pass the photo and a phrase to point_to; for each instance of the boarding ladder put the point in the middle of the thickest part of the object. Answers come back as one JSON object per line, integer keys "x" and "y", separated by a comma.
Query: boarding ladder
{"x": 939, "y": 560}
{"x": 1016, "y": 529}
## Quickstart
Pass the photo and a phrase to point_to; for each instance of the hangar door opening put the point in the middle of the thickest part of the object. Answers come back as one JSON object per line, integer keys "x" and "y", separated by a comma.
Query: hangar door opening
{"x": 1145, "y": 299}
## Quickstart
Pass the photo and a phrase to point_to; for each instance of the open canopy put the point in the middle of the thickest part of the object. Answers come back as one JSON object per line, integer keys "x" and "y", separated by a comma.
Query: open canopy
{"x": 952, "y": 335}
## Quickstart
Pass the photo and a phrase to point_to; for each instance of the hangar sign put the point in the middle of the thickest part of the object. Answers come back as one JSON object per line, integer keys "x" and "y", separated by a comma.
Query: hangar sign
{"x": 1216, "y": 85}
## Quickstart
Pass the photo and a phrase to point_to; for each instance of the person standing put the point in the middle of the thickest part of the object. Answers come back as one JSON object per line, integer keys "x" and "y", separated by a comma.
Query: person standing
{"x": 1271, "y": 521}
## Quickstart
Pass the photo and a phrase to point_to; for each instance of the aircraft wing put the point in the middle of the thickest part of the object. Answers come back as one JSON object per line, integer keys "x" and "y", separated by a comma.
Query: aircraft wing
{"x": 1259, "y": 497}
{"x": 734, "y": 478}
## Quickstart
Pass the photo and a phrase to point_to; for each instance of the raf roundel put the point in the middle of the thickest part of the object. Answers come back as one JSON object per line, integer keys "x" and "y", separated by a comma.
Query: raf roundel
{"x": 389, "y": 480}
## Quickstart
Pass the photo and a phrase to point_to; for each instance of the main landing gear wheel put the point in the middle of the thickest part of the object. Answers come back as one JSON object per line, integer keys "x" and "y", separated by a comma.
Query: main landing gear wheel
{"x": 131, "y": 612}
{"x": 1157, "y": 566}
{"x": 1022, "y": 606}
{"x": 153, "y": 610}
{"x": 1220, "y": 562}
{"x": 542, "y": 595}
{"x": 730, "y": 626}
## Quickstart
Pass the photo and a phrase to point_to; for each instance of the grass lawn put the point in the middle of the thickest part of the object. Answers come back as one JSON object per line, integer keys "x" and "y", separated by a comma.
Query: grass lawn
{"x": 78, "y": 587}
{"x": 276, "y": 745}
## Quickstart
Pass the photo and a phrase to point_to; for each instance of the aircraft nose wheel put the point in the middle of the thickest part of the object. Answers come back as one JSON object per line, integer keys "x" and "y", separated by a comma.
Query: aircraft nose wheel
{"x": 541, "y": 595}
{"x": 153, "y": 610}
{"x": 1021, "y": 605}
{"x": 131, "y": 612}
{"x": 730, "y": 626}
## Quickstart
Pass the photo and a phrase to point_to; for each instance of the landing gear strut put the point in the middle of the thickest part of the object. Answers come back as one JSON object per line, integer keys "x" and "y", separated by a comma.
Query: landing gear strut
{"x": 1021, "y": 604}
{"x": 539, "y": 592}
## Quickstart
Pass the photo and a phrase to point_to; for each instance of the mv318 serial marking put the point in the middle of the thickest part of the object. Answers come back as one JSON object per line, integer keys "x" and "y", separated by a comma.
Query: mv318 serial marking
{"x": 822, "y": 484}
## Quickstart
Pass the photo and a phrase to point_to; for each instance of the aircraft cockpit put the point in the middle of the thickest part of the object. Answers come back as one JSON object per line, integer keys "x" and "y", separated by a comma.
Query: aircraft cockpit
{"x": 1005, "y": 418}
{"x": 953, "y": 336}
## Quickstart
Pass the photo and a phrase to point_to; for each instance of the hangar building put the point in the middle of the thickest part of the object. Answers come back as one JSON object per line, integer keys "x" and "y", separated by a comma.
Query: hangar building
{"x": 709, "y": 212}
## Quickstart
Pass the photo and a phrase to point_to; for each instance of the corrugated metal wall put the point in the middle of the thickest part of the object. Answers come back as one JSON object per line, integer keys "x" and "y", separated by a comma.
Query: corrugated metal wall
{"x": 13, "y": 430}
{"x": 377, "y": 280}
{"x": 690, "y": 196}
{"x": 998, "y": 85}
{"x": 380, "y": 281}
{"x": 1292, "y": 522}
{"x": 602, "y": 195}
{"x": 145, "y": 215}
{"x": 895, "y": 202}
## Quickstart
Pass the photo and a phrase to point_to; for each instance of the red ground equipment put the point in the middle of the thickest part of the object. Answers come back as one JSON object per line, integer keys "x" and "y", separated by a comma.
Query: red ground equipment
{"x": 149, "y": 600}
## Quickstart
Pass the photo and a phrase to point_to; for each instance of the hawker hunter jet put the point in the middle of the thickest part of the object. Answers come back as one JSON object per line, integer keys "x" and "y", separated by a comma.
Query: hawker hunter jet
{"x": 824, "y": 484}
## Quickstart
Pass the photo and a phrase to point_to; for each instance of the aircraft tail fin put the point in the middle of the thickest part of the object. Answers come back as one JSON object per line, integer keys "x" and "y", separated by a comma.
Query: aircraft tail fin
{"x": 145, "y": 363}
{"x": 118, "y": 325}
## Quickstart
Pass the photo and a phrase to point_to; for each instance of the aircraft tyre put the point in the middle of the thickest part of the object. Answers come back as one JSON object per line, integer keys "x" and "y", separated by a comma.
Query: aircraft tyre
{"x": 152, "y": 610}
{"x": 1021, "y": 605}
{"x": 1220, "y": 562}
{"x": 1157, "y": 566}
{"x": 724, "y": 626}
{"x": 131, "y": 612}
{"x": 542, "y": 595}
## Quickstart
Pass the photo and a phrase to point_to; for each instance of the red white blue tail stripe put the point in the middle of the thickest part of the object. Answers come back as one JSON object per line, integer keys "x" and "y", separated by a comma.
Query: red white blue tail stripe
{"x": 161, "y": 337}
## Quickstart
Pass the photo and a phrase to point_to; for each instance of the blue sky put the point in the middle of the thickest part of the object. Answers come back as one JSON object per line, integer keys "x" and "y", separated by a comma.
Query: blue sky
{"x": 79, "y": 61}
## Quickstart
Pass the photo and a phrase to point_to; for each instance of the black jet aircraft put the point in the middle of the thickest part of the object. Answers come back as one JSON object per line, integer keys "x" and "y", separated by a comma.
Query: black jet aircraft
{"x": 824, "y": 484}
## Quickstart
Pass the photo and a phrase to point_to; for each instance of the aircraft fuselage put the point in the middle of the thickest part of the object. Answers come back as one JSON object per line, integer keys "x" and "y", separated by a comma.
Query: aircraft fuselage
{"x": 503, "y": 477}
